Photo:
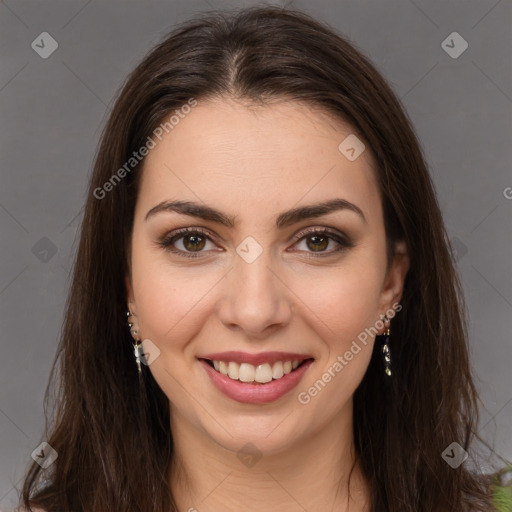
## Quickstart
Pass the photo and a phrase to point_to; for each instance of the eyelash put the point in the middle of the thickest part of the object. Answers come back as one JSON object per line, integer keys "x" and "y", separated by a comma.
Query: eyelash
{"x": 168, "y": 241}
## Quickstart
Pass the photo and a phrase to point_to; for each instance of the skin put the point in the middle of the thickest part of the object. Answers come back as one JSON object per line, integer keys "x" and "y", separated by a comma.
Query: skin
{"x": 256, "y": 162}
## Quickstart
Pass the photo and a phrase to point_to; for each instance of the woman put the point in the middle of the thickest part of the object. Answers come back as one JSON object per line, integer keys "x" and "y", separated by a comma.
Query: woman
{"x": 262, "y": 227}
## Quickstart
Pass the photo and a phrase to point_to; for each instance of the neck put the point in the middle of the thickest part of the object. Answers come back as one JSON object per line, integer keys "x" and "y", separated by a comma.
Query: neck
{"x": 316, "y": 473}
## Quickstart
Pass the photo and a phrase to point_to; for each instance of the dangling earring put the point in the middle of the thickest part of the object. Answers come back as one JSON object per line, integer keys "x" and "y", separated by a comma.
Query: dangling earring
{"x": 386, "y": 354}
{"x": 137, "y": 347}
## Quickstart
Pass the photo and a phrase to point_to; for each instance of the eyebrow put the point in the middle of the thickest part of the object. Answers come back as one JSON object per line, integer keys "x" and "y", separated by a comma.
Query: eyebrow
{"x": 284, "y": 219}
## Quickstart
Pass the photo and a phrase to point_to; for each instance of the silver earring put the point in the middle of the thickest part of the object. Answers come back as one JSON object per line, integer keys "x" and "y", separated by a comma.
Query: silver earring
{"x": 137, "y": 347}
{"x": 386, "y": 354}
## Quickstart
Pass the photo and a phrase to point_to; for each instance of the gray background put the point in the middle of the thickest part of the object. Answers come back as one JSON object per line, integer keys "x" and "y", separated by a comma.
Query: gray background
{"x": 52, "y": 111}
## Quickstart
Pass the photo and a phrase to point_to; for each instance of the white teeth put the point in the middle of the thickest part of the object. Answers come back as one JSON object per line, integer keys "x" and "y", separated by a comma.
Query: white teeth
{"x": 223, "y": 367}
{"x": 246, "y": 373}
{"x": 233, "y": 370}
{"x": 262, "y": 373}
{"x": 277, "y": 370}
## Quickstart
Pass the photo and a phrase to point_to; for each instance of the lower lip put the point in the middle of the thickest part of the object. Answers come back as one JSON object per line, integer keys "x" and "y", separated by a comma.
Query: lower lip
{"x": 254, "y": 393}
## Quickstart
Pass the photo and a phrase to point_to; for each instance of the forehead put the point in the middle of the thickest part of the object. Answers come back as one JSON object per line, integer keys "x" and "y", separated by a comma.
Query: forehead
{"x": 274, "y": 156}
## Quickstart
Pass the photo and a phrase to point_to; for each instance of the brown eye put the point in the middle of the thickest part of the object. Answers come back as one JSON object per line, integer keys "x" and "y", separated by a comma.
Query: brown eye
{"x": 192, "y": 242}
{"x": 318, "y": 240}
{"x": 318, "y": 243}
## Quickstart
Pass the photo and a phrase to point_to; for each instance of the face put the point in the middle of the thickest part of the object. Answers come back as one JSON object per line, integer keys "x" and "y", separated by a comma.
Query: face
{"x": 250, "y": 283}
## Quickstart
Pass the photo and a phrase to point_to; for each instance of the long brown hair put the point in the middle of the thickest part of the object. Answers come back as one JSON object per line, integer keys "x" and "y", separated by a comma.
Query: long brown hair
{"x": 112, "y": 432}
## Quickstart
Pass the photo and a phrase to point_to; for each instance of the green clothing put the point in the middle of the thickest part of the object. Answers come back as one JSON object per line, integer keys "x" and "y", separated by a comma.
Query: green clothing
{"x": 502, "y": 499}
{"x": 502, "y": 492}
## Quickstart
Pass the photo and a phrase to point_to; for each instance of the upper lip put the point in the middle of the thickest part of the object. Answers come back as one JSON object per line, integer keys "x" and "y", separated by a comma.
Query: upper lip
{"x": 255, "y": 359}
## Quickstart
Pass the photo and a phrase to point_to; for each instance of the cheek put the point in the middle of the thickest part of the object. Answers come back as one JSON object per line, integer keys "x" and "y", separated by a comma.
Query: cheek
{"x": 342, "y": 309}
{"x": 344, "y": 300}
{"x": 169, "y": 298}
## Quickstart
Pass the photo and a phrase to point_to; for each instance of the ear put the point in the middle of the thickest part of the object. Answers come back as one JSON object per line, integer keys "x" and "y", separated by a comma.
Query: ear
{"x": 393, "y": 286}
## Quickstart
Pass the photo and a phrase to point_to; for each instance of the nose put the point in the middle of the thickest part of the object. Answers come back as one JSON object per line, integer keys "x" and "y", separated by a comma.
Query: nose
{"x": 256, "y": 299}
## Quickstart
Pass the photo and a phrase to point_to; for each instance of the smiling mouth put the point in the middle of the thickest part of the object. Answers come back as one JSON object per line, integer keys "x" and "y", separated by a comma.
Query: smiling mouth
{"x": 259, "y": 374}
